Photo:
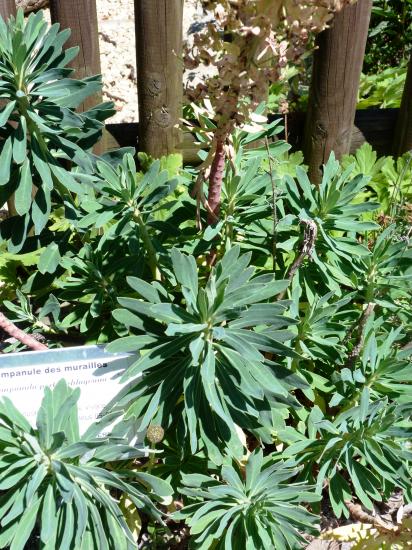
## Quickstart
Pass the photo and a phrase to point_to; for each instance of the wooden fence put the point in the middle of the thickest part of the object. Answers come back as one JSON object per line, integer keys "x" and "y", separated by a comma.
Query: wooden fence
{"x": 331, "y": 123}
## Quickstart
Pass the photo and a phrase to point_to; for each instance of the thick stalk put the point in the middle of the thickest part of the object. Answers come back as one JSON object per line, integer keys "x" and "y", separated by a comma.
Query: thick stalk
{"x": 356, "y": 351}
{"x": 215, "y": 182}
{"x": 20, "y": 335}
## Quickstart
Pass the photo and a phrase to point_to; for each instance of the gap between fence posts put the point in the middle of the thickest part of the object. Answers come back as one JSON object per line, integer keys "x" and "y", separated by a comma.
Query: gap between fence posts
{"x": 159, "y": 39}
{"x": 81, "y": 17}
{"x": 403, "y": 131}
{"x": 337, "y": 67}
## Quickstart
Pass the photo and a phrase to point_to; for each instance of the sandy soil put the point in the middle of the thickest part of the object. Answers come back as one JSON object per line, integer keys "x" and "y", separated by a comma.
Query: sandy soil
{"x": 118, "y": 56}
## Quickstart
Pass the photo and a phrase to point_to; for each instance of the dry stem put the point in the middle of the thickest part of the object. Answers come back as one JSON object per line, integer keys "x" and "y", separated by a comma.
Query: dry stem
{"x": 20, "y": 335}
{"x": 358, "y": 514}
{"x": 354, "y": 354}
{"x": 309, "y": 239}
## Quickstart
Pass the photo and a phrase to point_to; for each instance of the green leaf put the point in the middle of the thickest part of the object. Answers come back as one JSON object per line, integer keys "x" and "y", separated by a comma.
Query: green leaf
{"x": 158, "y": 486}
{"x": 207, "y": 371}
{"x": 35, "y": 482}
{"x": 20, "y": 142}
{"x": 184, "y": 328}
{"x": 23, "y": 194}
{"x": 90, "y": 85}
{"x": 65, "y": 541}
{"x": 10, "y": 478}
{"x": 5, "y": 161}
{"x": 155, "y": 356}
{"x": 50, "y": 259}
{"x": 185, "y": 269}
{"x": 146, "y": 290}
{"x": 339, "y": 492}
{"x": 26, "y": 526}
{"x": 130, "y": 344}
{"x": 6, "y": 112}
{"x": 41, "y": 208}
{"x": 80, "y": 503}
{"x": 66, "y": 179}
{"x": 356, "y": 472}
{"x": 9, "y": 410}
{"x": 41, "y": 165}
{"x": 49, "y": 517}
{"x": 355, "y": 226}
{"x": 253, "y": 468}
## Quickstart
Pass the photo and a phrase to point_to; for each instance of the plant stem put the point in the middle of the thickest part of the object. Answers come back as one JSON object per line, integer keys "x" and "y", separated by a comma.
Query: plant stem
{"x": 20, "y": 335}
{"x": 274, "y": 210}
{"x": 152, "y": 458}
{"x": 215, "y": 181}
{"x": 309, "y": 238}
{"x": 354, "y": 354}
{"x": 150, "y": 250}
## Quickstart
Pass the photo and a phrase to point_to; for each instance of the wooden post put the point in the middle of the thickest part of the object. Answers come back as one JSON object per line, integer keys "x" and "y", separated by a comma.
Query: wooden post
{"x": 403, "y": 131}
{"x": 81, "y": 17}
{"x": 160, "y": 74}
{"x": 337, "y": 66}
{"x": 7, "y": 8}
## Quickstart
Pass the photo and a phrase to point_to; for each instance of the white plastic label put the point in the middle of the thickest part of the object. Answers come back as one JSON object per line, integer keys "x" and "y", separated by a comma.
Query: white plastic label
{"x": 23, "y": 377}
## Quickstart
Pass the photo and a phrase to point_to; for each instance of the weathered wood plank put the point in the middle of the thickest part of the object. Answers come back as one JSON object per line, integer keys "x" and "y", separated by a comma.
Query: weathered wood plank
{"x": 375, "y": 126}
{"x": 403, "y": 132}
{"x": 160, "y": 69}
{"x": 337, "y": 66}
{"x": 81, "y": 17}
{"x": 7, "y": 8}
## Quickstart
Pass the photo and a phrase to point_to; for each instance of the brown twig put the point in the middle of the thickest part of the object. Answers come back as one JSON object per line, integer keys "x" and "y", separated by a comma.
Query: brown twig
{"x": 215, "y": 181}
{"x": 309, "y": 239}
{"x": 358, "y": 514}
{"x": 354, "y": 354}
{"x": 197, "y": 192}
{"x": 20, "y": 335}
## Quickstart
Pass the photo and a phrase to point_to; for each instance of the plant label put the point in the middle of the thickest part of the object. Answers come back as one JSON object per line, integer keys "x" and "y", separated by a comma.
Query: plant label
{"x": 24, "y": 375}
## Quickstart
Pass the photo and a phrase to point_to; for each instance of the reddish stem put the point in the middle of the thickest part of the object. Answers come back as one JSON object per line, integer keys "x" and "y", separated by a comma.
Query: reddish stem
{"x": 215, "y": 182}
{"x": 20, "y": 335}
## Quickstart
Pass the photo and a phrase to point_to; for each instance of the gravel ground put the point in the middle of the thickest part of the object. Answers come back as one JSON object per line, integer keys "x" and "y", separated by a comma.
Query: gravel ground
{"x": 118, "y": 57}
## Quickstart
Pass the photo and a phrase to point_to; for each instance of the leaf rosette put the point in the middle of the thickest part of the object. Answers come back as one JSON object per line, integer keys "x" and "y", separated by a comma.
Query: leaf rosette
{"x": 213, "y": 355}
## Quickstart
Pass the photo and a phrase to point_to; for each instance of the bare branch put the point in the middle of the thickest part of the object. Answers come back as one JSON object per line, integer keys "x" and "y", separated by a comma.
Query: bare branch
{"x": 20, "y": 335}
{"x": 309, "y": 239}
{"x": 359, "y": 514}
{"x": 354, "y": 354}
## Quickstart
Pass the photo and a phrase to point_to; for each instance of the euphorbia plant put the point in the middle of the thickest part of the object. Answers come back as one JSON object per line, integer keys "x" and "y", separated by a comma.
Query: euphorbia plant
{"x": 247, "y": 43}
{"x": 41, "y": 134}
{"x": 55, "y": 483}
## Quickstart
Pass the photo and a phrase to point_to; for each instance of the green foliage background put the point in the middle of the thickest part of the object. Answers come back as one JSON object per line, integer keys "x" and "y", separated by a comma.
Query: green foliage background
{"x": 272, "y": 348}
